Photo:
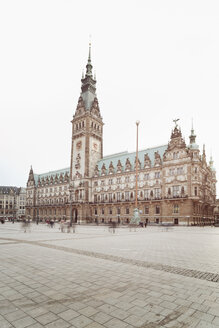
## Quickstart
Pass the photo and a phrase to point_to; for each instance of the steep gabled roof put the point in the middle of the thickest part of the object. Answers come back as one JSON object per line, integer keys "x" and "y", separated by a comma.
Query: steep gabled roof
{"x": 51, "y": 173}
{"x": 131, "y": 156}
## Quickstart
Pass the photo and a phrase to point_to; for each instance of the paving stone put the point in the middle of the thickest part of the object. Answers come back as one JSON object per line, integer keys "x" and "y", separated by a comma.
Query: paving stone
{"x": 101, "y": 317}
{"x": 46, "y": 318}
{"x": 37, "y": 311}
{"x": 88, "y": 311}
{"x": 81, "y": 321}
{"x": 94, "y": 325}
{"x": 24, "y": 322}
{"x": 36, "y": 325}
{"x": 69, "y": 314}
{"x": 5, "y": 324}
{"x": 216, "y": 321}
{"x": 12, "y": 316}
{"x": 115, "y": 323}
{"x": 58, "y": 324}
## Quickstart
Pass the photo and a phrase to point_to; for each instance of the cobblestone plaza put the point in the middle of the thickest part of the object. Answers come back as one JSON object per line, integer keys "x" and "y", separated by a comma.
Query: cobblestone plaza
{"x": 149, "y": 277}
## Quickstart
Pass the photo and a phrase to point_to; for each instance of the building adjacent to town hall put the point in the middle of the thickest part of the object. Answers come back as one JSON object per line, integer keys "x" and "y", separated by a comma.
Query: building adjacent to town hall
{"x": 12, "y": 203}
{"x": 175, "y": 182}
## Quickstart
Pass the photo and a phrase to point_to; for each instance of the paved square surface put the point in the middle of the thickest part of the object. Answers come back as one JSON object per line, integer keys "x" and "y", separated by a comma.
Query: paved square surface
{"x": 152, "y": 277}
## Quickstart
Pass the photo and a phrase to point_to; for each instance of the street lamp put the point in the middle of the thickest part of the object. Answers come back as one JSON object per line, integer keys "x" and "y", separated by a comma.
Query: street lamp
{"x": 136, "y": 217}
{"x": 136, "y": 178}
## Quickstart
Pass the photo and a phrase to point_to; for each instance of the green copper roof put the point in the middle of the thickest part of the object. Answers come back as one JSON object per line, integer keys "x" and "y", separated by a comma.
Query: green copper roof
{"x": 51, "y": 173}
{"x": 131, "y": 156}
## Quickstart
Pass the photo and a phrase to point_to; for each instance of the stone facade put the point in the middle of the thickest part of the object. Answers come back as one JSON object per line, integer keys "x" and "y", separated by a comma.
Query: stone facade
{"x": 175, "y": 183}
{"x": 12, "y": 202}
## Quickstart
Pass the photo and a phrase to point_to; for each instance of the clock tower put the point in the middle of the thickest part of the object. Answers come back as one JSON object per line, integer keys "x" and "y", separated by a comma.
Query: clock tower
{"x": 87, "y": 138}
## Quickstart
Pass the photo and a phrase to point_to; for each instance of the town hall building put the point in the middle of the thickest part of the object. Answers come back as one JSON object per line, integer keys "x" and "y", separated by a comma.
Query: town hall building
{"x": 175, "y": 183}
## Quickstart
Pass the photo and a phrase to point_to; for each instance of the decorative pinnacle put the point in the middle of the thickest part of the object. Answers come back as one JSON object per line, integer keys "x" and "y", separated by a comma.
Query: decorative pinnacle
{"x": 89, "y": 66}
{"x": 89, "y": 56}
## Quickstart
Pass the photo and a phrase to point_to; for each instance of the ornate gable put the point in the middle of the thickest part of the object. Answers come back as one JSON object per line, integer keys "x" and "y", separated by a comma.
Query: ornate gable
{"x": 103, "y": 169}
{"x": 128, "y": 165}
{"x": 111, "y": 168}
{"x": 96, "y": 171}
{"x": 175, "y": 144}
{"x": 119, "y": 166}
{"x": 139, "y": 164}
{"x": 95, "y": 110}
{"x": 157, "y": 159}
{"x": 147, "y": 161}
{"x": 80, "y": 109}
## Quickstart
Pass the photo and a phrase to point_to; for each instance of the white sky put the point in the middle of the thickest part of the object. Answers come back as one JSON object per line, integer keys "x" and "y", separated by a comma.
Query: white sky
{"x": 154, "y": 61}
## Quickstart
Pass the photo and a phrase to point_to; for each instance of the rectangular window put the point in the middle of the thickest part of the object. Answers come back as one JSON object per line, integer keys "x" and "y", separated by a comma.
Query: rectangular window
{"x": 118, "y": 180}
{"x": 110, "y": 181}
{"x": 118, "y": 196}
{"x": 110, "y": 211}
{"x": 102, "y": 182}
{"x": 157, "y": 175}
{"x": 102, "y": 197}
{"x": 146, "y": 210}
{"x": 176, "y": 209}
{"x": 127, "y": 210}
{"x": 110, "y": 197}
{"x": 172, "y": 171}
{"x": 95, "y": 211}
{"x": 157, "y": 192}
{"x": 95, "y": 183}
{"x": 102, "y": 211}
{"x": 146, "y": 176}
{"x": 179, "y": 170}
{"x": 196, "y": 191}
{"x": 118, "y": 210}
{"x": 147, "y": 194}
{"x": 157, "y": 209}
{"x": 127, "y": 195}
{"x": 126, "y": 179}
{"x": 95, "y": 198}
{"x": 176, "y": 191}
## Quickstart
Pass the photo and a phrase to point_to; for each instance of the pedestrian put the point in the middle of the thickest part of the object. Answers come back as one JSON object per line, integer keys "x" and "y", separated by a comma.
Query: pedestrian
{"x": 62, "y": 225}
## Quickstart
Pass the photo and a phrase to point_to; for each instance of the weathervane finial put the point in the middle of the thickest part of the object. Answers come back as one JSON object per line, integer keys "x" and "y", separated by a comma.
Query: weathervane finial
{"x": 176, "y": 120}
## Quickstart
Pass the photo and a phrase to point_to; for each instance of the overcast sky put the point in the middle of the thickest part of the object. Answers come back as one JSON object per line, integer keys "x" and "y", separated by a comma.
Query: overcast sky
{"x": 154, "y": 61}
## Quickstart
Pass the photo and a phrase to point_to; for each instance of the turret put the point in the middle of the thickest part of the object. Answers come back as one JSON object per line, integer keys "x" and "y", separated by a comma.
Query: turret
{"x": 31, "y": 180}
{"x": 192, "y": 138}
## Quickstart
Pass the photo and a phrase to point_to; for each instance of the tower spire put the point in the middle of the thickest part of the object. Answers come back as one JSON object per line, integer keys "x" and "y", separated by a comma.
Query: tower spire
{"x": 89, "y": 65}
{"x": 203, "y": 153}
{"x": 192, "y": 136}
{"x": 88, "y": 87}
